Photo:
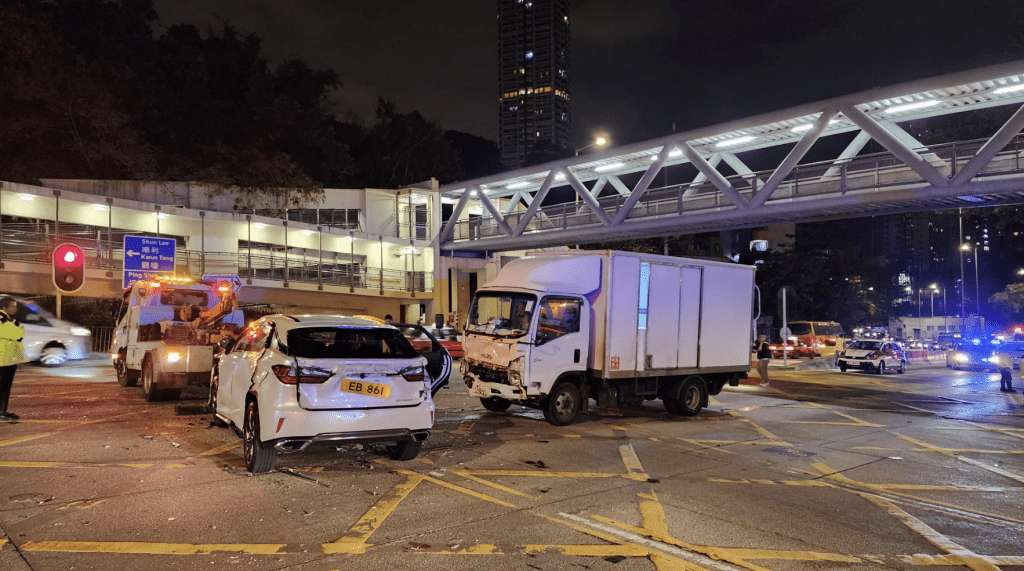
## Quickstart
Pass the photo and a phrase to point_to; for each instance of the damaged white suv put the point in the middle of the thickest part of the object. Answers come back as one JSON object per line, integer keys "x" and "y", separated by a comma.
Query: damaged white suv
{"x": 291, "y": 382}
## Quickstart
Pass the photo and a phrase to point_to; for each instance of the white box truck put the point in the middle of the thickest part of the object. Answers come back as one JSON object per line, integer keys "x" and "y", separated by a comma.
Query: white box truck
{"x": 555, "y": 329}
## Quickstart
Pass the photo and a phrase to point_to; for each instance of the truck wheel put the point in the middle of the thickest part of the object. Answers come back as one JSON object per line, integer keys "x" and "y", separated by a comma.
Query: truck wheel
{"x": 880, "y": 370}
{"x": 496, "y": 404}
{"x": 842, "y": 367}
{"x": 150, "y": 392}
{"x": 563, "y": 404}
{"x": 258, "y": 459}
{"x": 692, "y": 396}
{"x": 672, "y": 405}
{"x": 903, "y": 368}
{"x": 125, "y": 378}
{"x": 405, "y": 450}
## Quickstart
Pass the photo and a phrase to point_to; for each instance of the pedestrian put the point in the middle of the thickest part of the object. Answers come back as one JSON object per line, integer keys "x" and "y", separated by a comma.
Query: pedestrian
{"x": 764, "y": 356}
{"x": 12, "y": 352}
{"x": 388, "y": 320}
{"x": 1003, "y": 360}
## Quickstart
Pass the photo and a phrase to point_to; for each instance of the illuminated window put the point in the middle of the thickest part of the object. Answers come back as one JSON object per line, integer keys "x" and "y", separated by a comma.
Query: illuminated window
{"x": 529, "y": 55}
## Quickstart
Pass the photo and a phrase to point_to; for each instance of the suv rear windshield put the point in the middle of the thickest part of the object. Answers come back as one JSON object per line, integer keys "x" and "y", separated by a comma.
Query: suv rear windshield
{"x": 348, "y": 343}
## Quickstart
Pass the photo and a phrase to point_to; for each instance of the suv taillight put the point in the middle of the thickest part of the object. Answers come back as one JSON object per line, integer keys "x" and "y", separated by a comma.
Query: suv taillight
{"x": 292, "y": 375}
{"x": 413, "y": 374}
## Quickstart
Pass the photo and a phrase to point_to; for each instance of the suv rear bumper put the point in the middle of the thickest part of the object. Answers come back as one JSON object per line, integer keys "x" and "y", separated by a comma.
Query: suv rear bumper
{"x": 290, "y": 429}
{"x": 288, "y": 445}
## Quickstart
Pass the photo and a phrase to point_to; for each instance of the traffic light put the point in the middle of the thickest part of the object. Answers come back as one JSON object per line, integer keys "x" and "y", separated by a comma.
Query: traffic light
{"x": 68, "y": 268}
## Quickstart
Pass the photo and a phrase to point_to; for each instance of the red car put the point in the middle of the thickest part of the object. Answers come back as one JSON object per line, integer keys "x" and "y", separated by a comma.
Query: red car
{"x": 795, "y": 349}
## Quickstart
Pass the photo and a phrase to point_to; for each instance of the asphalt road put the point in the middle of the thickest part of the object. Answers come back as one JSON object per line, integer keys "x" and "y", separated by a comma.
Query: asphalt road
{"x": 820, "y": 470}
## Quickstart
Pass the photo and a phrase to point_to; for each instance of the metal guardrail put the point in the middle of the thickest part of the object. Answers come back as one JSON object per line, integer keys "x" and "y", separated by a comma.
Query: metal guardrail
{"x": 868, "y": 173}
{"x": 26, "y": 242}
{"x": 101, "y": 337}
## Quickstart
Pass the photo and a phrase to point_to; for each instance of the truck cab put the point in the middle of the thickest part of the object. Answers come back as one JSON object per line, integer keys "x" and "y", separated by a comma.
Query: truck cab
{"x": 527, "y": 342}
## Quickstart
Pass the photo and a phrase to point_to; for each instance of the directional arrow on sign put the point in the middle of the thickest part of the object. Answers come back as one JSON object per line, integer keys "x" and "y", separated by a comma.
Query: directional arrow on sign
{"x": 130, "y": 253}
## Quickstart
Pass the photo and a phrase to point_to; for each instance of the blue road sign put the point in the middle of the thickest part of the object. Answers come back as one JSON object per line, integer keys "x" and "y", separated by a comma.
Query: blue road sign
{"x": 145, "y": 256}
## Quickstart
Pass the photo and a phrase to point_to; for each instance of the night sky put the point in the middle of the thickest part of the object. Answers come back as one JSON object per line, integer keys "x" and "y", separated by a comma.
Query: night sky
{"x": 638, "y": 67}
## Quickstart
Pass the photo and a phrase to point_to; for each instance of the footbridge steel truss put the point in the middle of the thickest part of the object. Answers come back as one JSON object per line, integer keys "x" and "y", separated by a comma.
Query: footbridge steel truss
{"x": 908, "y": 177}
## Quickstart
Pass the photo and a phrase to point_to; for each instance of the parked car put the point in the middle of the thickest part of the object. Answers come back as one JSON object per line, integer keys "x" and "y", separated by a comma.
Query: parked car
{"x": 451, "y": 340}
{"x": 51, "y": 341}
{"x": 795, "y": 349}
{"x": 873, "y": 355}
{"x": 295, "y": 381}
{"x": 970, "y": 354}
{"x": 447, "y": 337}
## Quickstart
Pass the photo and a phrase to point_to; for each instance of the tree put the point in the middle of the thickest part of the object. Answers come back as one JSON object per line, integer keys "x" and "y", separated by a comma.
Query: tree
{"x": 479, "y": 156}
{"x": 830, "y": 286}
{"x": 1010, "y": 302}
{"x": 404, "y": 148}
{"x": 59, "y": 116}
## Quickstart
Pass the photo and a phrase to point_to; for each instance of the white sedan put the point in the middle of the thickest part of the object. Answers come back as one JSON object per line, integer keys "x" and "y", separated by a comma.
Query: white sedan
{"x": 290, "y": 382}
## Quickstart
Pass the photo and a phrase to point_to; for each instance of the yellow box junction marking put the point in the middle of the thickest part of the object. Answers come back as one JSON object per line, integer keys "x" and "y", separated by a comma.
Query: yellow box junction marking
{"x": 355, "y": 540}
{"x": 954, "y": 451}
{"x": 139, "y": 547}
{"x": 82, "y": 505}
{"x": 960, "y": 553}
{"x": 652, "y": 540}
{"x": 855, "y": 421}
{"x": 470, "y": 476}
{"x": 20, "y": 439}
{"x": 219, "y": 449}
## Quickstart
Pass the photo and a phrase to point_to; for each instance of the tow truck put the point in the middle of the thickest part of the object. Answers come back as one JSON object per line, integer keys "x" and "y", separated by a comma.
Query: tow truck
{"x": 167, "y": 330}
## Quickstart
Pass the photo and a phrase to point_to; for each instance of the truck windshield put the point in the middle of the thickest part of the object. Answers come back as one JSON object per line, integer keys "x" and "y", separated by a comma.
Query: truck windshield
{"x": 184, "y": 296}
{"x": 501, "y": 314}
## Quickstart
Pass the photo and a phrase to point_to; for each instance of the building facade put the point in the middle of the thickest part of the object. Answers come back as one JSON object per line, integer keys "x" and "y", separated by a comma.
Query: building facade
{"x": 533, "y": 78}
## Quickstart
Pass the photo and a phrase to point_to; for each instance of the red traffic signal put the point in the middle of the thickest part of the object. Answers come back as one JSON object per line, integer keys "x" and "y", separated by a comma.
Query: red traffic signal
{"x": 68, "y": 268}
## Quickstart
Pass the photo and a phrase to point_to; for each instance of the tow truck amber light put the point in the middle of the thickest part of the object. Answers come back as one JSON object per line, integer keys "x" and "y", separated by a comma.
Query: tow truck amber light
{"x": 289, "y": 376}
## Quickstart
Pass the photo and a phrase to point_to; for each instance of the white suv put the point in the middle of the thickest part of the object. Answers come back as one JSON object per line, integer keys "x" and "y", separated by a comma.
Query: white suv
{"x": 294, "y": 381}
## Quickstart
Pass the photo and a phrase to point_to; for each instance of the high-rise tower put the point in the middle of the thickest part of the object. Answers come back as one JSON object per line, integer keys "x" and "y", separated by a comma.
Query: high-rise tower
{"x": 533, "y": 77}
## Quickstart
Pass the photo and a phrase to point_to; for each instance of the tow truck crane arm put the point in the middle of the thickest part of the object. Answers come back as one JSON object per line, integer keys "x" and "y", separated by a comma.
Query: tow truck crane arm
{"x": 228, "y": 303}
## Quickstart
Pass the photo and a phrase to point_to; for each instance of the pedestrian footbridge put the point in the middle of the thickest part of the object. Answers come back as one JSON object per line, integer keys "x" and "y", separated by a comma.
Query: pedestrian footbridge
{"x": 618, "y": 195}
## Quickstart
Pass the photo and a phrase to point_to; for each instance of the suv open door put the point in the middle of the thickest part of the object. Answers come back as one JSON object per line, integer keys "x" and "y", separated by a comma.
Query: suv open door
{"x": 439, "y": 361}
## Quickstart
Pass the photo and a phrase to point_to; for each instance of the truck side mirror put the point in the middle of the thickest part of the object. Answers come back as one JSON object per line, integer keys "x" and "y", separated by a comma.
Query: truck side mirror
{"x": 226, "y": 343}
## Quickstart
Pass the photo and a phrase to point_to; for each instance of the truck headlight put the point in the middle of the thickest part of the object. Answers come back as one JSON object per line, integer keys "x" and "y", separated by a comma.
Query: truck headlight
{"x": 515, "y": 370}
{"x": 80, "y": 331}
{"x": 173, "y": 356}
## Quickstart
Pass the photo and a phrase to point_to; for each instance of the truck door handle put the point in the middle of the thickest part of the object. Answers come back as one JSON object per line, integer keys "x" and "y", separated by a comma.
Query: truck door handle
{"x": 576, "y": 356}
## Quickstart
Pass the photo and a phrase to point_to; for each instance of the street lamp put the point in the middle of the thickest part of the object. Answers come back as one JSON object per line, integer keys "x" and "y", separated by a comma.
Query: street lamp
{"x": 599, "y": 141}
{"x": 977, "y": 287}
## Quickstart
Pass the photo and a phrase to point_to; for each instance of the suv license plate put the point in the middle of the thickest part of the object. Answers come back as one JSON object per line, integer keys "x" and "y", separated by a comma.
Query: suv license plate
{"x": 365, "y": 388}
